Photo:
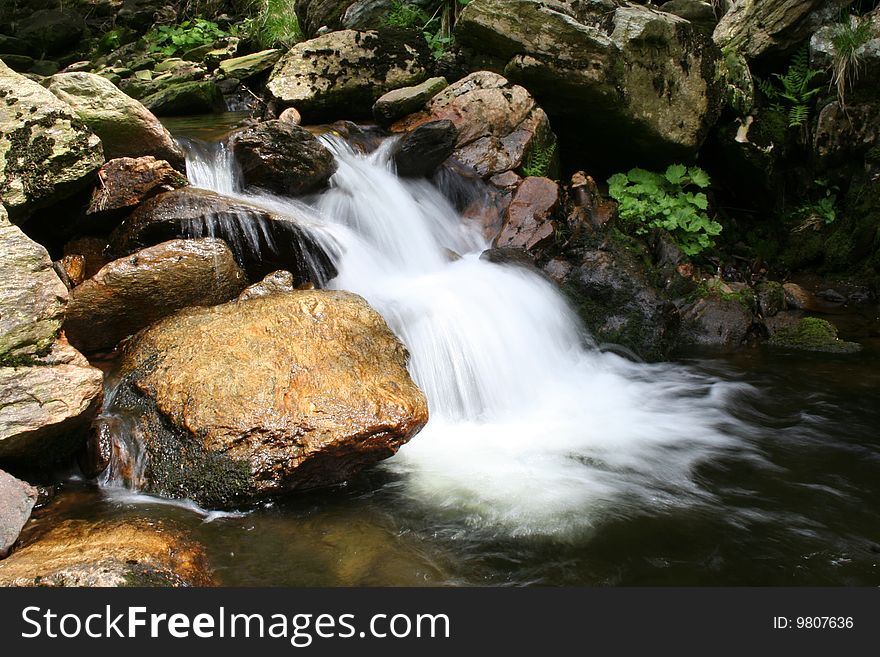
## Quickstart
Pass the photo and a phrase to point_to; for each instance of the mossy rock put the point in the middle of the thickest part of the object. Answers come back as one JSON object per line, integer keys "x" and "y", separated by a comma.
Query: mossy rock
{"x": 813, "y": 334}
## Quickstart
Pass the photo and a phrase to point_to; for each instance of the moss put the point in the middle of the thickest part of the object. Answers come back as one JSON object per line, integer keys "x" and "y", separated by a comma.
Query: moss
{"x": 178, "y": 465}
{"x": 813, "y": 334}
{"x": 28, "y": 154}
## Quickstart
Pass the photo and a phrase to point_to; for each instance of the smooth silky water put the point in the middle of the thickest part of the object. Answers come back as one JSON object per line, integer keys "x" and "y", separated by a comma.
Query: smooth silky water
{"x": 548, "y": 460}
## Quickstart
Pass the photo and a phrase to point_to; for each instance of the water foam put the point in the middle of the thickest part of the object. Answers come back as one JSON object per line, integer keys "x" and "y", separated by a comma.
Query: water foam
{"x": 533, "y": 430}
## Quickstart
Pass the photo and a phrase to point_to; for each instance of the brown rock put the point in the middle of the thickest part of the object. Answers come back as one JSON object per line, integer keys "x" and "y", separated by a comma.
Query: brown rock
{"x": 109, "y": 553}
{"x": 45, "y": 408}
{"x": 278, "y": 282}
{"x": 92, "y": 251}
{"x": 127, "y": 182}
{"x": 261, "y": 241}
{"x": 74, "y": 268}
{"x": 17, "y": 498}
{"x": 528, "y": 223}
{"x": 497, "y": 122}
{"x": 284, "y": 392}
{"x": 133, "y": 292}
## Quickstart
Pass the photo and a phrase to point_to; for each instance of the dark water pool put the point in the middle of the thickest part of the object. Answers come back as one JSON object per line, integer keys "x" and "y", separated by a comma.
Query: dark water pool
{"x": 805, "y": 512}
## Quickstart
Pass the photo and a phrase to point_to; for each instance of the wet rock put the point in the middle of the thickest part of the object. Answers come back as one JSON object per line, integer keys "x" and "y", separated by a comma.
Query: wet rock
{"x": 798, "y": 297}
{"x": 290, "y": 115}
{"x": 773, "y": 26}
{"x": 248, "y": 66}
{"x": 528, "y": 223}
{"x": 419, "y": 152}
{"x": 771, "y": 298}
{"x": 46, "y": 153}
{"x": 46, "y": 407}
{"x": 186, "y": 98}
{"x": 91, "y": 249}
{"x": 109, "y": 553}
{"x": 278, "y": 282}
{"x": 260, "y": 241}
{"x": 498, "y": 123}
{"x": 52, "y": 31}
{"x": 344, "y": 73}
{"x": 279, "y": 393}
{"x": 813, "y": 334}
{"x": 646, "y": 76}
{"x": 716, "y": 321}
{"x": 71, "y": 269}
{"x": 32, "y": 297}
{"x": 17, "y": 498}
{"x": 125, "y": 126}
{"x": 398, "y": 103}
{"x": 609, "y": 287}
{"x": 127, "y": 182}
{"x": 133, "y": 292}
{"x": 282, "y": 158}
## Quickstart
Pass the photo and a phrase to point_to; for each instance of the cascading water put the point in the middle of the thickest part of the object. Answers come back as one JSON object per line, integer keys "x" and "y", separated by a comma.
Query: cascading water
{"x": 533, "y": 429}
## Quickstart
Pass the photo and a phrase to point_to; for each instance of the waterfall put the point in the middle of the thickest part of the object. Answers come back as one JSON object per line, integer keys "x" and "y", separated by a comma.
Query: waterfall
{"x": 533, "y": 429}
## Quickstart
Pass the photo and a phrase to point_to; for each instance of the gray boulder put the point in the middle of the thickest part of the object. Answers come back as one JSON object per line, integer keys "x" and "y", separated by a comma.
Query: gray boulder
{"x": 342, "y": 74}
{"x": 632, "y": 83}
{"x": 17, "y": 498}
{"x": 47, "y": 153}
{"x": 125, "y": 126}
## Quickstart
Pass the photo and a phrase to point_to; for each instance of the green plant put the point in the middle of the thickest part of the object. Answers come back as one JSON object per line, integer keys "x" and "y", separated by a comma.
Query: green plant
{"x": 406, "y": 15}
{"x": 276, "y": 24}
{"x": 436, "y": 23}
{"x": 847, "y": 39}
{"x": 798, "y": 87}
{"x": 821, "y": 211}
{"x": 540, "y": 158}
{"x": 170, "y": 40}
{"x": 648, "y": 200}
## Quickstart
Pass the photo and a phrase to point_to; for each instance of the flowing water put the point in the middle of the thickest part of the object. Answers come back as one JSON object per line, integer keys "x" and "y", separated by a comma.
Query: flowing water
{"x": 547, "y": 460}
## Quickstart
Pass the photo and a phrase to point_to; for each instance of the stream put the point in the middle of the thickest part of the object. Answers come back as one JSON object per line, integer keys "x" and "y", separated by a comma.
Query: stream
{"x": 547, "y": 460}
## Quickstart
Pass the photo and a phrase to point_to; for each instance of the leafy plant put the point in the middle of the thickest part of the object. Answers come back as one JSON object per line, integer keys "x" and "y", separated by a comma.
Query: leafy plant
{"x": 539, "y": 158}
{"x": 407, "y": 15}
{"x": 821, "y": 211}
{"x": 847, "y": 39}
{"x": 794, "y": 95}
{"x": 436, "y": 23}
{"x": 170, "y": 40}
{"x": 648, "y": 200}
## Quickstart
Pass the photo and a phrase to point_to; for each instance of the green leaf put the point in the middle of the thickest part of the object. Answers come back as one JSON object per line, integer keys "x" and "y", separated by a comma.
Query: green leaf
{"x": 675, "y": 173}
{"x": 698, "y": 177}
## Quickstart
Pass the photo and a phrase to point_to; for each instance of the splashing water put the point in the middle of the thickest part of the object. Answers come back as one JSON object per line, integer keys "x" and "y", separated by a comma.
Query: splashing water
{"x": 533, "y": 430}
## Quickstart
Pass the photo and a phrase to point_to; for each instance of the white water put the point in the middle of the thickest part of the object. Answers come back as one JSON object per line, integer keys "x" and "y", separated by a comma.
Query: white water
{"x": 533, "y": 430}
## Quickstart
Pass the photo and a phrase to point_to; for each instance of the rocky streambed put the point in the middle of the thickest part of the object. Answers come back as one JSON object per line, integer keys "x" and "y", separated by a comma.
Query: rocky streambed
{"x": 389, "y": 326}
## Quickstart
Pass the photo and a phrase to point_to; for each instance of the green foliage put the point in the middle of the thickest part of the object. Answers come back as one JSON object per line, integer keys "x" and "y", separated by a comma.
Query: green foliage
{"x": 407, "y": 15}
{"x": 796, "y": 89}
{"x": 170, "y": 40}
{"x": 276, "y": 24}
{"x": 436, "y": 22}
{"x": 847, "y": 38}
{"x": 540, "y": 158}
{"x": 649, "y": 200}
{"x": 822, "y": 210}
